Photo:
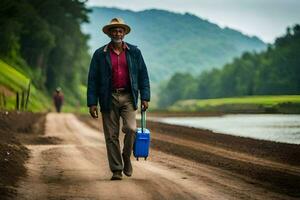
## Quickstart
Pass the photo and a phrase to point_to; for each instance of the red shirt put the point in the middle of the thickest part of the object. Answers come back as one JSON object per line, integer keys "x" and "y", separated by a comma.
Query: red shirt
{"x": 58, "y": 98}
{"x": 120, "y": 74}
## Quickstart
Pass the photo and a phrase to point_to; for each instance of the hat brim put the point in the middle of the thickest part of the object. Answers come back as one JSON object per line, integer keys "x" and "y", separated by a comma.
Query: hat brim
{"x": 106, "y": 28}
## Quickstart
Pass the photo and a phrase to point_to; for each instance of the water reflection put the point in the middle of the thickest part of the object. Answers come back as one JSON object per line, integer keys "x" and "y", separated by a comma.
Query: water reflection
{"x": 281, "y": 128}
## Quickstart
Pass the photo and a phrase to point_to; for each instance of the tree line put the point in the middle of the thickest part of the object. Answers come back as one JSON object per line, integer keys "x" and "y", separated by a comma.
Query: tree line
{"x": 43, "y": 39}
{"x": 272, "y": 72}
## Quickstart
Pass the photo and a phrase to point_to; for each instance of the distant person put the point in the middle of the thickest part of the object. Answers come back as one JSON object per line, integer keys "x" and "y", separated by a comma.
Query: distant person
{"x": 117, "y": 76}
{"x": 58, "y": 99}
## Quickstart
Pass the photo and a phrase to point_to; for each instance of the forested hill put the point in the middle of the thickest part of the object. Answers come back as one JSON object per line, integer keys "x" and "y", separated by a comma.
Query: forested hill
{"x": 173, "y": 42}
{"x": 272, "y": 72}
{"x": 43, "y": 40}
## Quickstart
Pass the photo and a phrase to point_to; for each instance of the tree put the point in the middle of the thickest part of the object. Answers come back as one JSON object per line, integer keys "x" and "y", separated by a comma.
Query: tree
{"x": 275, "y": 71}
{"x": 46, "y": 36}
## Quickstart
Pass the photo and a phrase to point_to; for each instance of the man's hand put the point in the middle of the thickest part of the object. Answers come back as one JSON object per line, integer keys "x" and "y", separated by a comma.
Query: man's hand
{"x": 144, "y": 105}
{"x": 94, "y": 111}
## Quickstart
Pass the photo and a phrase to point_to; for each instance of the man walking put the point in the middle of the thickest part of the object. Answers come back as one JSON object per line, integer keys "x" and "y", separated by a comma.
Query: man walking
{"x": 58, "y": 99}
{"x": 117, "y": 77}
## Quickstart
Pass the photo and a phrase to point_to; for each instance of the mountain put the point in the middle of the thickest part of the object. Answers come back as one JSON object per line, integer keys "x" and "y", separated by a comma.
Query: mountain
{"x": 274, "y": 71}
{"x": 172, "y": 42}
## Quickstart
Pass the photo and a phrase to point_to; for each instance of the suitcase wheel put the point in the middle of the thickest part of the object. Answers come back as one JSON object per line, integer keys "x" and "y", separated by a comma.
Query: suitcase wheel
{"x": 137, "y": 158}
{"x": 145, "y": 158}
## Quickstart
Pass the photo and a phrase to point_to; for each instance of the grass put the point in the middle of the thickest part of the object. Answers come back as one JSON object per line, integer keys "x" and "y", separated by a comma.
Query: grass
{"x": 281, "y": 104}
{"x": 13, "y": 81}
{"x": 80, "y": 106}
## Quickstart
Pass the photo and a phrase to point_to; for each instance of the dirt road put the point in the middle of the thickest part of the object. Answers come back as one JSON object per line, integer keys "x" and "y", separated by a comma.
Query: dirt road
{"x": 76, "y": 168}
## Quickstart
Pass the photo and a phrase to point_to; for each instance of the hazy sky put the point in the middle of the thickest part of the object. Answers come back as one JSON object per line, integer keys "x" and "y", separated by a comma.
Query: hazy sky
{"x": 266, "y": 19}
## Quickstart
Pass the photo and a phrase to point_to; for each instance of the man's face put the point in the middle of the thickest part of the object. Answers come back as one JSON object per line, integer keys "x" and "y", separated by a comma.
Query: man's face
{"x": 117, "y": 34}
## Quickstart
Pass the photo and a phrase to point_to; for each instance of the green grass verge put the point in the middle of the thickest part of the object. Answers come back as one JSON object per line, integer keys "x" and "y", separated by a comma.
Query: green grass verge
{"x": 80, "y": 105}
{"x": 14, "y": 82}
{"x": 263, "y": 104}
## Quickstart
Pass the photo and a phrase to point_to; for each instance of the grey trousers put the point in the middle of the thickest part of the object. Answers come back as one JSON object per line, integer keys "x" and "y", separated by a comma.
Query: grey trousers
{"x": 122, "y": 107}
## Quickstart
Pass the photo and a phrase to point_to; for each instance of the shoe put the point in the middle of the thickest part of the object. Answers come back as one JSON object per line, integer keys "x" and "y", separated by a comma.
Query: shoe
{"x": 127, "y": 170}
{"x": 117, "y": 175}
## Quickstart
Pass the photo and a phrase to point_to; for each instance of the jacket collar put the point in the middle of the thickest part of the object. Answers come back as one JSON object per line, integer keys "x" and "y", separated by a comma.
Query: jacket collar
{"x": 125, "y": 46}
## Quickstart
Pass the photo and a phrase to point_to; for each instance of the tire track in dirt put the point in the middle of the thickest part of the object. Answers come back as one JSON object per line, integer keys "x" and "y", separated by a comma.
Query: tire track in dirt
{"x": 77, "y": 168}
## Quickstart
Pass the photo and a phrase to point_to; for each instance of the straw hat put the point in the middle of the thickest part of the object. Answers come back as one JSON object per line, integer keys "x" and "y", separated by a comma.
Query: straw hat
{"x": 116, "y": 22}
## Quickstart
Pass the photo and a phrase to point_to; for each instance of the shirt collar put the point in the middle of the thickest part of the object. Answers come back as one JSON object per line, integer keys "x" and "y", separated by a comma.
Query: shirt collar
{"x": 109, "y": 45}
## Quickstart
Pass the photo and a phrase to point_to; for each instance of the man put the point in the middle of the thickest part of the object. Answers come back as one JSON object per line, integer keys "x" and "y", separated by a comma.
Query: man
{"x": 117, "y": 76}
{"x": 58, "y": 99}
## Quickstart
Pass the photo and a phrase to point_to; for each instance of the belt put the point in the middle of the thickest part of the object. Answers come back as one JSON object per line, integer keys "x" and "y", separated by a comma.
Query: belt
{"x": 121, "y": 90}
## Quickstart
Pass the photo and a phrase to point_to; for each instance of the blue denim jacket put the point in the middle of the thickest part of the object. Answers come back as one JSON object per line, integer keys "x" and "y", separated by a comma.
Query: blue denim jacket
{"x": 100, "y": 78}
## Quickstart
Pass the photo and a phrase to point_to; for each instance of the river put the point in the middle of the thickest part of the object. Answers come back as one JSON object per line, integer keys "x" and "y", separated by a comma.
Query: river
{"x": 272, "y": 127}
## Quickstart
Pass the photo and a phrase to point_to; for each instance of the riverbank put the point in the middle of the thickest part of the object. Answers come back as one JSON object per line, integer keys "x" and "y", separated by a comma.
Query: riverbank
{"x": 283, "y": 128}
{"x": 271, "y": 165}
{"x": 285, "y": 104}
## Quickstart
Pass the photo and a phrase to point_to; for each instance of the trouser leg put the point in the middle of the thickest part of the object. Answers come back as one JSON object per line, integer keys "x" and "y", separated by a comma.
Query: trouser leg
{"x": 56, "y": 107}
{"x": 129, "y": 125}
{"x": 128, "y": 115}
{"x": 111, "y": 125}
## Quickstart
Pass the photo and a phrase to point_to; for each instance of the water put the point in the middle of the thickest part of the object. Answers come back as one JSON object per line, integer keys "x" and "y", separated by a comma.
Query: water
{"x": 280, "y": 128}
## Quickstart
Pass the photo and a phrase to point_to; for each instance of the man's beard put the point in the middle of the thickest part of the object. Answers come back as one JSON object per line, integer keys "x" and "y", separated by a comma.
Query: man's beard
{"x": 116, "y": 40}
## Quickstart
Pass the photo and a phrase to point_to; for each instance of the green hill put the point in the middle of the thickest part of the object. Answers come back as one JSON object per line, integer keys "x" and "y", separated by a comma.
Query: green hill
{"x": 44, "y": 41}
{"x": 13, "y": 81}
{"x": 271, "y": 72}
{"x": 173, "y": 42}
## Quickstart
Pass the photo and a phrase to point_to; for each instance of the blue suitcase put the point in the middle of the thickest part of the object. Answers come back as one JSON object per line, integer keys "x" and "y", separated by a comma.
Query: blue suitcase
{"x": 142, "y": 140}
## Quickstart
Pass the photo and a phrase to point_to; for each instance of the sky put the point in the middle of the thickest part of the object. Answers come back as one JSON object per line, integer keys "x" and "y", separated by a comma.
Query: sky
{"x": 266, "y": 19}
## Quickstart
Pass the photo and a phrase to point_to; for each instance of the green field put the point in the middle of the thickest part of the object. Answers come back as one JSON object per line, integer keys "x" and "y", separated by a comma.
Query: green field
{"x": 12, "y": 81}
{"x": 81, "y": 106}
{"x": 255, "y": 104}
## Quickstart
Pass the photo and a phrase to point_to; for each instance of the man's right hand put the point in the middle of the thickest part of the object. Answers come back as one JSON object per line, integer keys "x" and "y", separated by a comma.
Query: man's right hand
{"x": 94, "y": 111}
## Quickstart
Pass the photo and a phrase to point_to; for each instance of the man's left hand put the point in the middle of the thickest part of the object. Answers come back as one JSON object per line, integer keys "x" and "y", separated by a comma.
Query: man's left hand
{"x": 145, "y": 105}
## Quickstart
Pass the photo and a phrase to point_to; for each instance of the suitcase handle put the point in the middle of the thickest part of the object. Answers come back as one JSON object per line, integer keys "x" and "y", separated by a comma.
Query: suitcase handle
{"x": 143, "y": 138}
{"x": 143, "y": 120}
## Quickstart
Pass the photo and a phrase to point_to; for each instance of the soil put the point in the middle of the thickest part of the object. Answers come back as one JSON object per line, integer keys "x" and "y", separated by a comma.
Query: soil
{"x": 13, "y": 154}
{"x": 68, "y": 161}
{"x": 271, "y": 165}
{"x": 5, "y": 91}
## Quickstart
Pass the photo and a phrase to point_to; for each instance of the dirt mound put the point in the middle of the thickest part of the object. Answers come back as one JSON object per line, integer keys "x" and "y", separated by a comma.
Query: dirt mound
{"x": 13, "y": 154}
{"x": 279, "y": 152}
{"x": 46, "y": 140}
{"x": 262, "y": 172}
{"x": 12, "y": 159}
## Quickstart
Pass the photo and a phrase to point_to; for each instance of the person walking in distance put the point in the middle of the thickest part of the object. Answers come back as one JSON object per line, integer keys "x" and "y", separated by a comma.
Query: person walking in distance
{"x": 117, "y": 77}
{"x": 58, "y": 99}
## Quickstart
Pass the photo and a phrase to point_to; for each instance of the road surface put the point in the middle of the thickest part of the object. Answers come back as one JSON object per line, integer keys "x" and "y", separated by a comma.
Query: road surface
{"x": 77, "y": 168}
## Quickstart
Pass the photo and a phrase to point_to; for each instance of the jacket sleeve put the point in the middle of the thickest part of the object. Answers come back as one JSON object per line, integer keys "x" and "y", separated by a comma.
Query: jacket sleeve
{"x": 143, "y": 79}
{"x": 92, "y": 91}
